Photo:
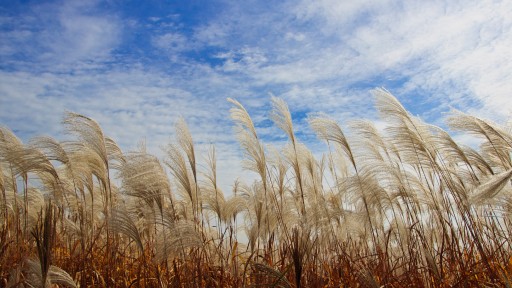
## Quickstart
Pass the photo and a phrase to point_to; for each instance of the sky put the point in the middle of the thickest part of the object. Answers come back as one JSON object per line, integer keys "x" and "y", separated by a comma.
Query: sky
{"x": 136, "y": 67}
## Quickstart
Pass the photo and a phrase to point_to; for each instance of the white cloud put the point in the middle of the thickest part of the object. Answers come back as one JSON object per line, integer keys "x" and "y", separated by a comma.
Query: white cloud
{"x": 172, "y": 41}
{"x": 60, "y": 36}
{"x": 245, "y": 60}
{"x": 320, "y": 56}
{"x": 213, "y": 34}
{"x": 82, "y": 38}
{"x": 455, "y": 52}
{"x": 130, "y": 105}
{"x": 295, "y": 36}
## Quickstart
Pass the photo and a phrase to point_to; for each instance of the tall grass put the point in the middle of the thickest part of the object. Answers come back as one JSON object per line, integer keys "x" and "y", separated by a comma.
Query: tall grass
{"x": 399, "y": 207}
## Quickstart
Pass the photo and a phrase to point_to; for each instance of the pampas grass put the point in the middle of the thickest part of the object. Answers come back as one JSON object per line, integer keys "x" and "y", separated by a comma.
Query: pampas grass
{"x": 399, "y": 207}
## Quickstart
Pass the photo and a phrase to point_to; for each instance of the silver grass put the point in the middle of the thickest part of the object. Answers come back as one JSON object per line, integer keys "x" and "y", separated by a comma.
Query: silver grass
{"x": 353, "y": 224}
{"x": 71, "y": 228}
{"x": 327, "y": 129}
{"x": 260, "y": 218}
{"x": 224, "y": 209}
{"x": 477, "y": 162}
{"x": 491, "y": 187}
{"x": 389, "y": 107}
{"x": 254, "y": 154}
{"x": 370, "y": 142}
{"x": 87, "y": 165}
{"x": 388, "y": 192}
{"x": 60, "y": 277}
{"x": 89, "y": 133}
{"x": 9, "y": 141}
{"x": 281, "y": 116}
{"x": 144, "y": 177}
{"x": 182, "y": 173}
{"x": 361, "y": 191}
{"x": 232, "y": 207}
{"x": 114, "y": 153}
{"x": 450, "y": 150}
{"x": 26, "y": 159}
{"x": 410, "y": 136}
{"x": 70, "y": 189}
{"x": 213, "y": 200}
{"x": 321, "y": 218}
{"x": 242, "y": 118}
{"x": 411, "y": 142}
{"x": 484, "y": 128}
{"x": 121, "y": 221}
{"x": 284, "y": 202}
{"x": 55, "y": 151}
{"x": 95, "y": 205}
{"x": 212, "y": 196}
{"x": 175, "y": 238}
{"x": 297, "y": 157}
{"x": 252, "y": 233}
{"x": 53, "y": 187}
{"x": 184, "y": 208}
{"x": 366, "y": 279}
{"x": 498, "y": 142}
{"x": 340, "y": 166}
{"x": 36, "y": 203}
{"x": 506, "y": 203}
{"x": 275, "y": 278}
{"x": 144, "y": 217}
{"x": 211, "y": 174}
{"x": 278, "y": 171}
{"x": 431, "y": 263}
{"x": 15, "y": 276}
{"x": 313, "y": 172}
{"x": 495, "y": 157}
{"x": 371, "y": 187}
{"x": 400, "y": 232}
{"x": 301, "y": 247}
{"x": 115, "y": 193}
{"x": 11, "y": 200}
{"x": 392, "y": 192}
{"x": 56, "y": 276}
{"x": 186, "y": 144}
{"x": 255, "y": 159}
{"x": 97, "y": 150}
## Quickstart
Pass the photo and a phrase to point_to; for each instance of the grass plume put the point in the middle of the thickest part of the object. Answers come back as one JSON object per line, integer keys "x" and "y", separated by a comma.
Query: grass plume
{"x": 403, "y": 206}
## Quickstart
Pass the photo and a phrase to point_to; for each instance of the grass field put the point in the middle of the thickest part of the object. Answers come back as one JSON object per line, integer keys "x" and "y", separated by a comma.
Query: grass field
{"x": 402, "y": 207}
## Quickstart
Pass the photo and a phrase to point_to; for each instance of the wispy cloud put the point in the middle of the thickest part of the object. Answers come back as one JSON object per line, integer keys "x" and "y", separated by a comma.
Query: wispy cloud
{"x": 55, "y": 36}
{"x": 454, "y": 52}
{"x": 136, "y": 72}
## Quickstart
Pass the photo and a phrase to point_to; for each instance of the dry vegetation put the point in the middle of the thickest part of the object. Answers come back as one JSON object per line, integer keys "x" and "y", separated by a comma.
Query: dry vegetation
{"x": 403, "y": 207}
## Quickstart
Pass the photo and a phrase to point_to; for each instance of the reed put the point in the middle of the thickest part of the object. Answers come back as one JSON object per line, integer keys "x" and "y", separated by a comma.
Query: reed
{"x": 400, "y": 207}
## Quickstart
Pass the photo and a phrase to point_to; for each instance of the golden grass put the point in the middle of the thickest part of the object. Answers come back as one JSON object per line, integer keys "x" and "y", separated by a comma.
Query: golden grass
{"x": 404, "y": 207}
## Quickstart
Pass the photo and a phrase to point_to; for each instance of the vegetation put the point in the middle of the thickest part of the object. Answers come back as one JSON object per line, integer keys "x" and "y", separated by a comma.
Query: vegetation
{"x": 401, "y": 207}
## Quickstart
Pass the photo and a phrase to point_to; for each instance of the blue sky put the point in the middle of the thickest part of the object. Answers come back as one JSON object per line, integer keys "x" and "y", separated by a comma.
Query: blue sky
{"x": 136, "y": 66}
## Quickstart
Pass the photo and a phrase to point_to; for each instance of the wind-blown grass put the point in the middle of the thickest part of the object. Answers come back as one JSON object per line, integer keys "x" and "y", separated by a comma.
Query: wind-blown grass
{"x": 400, "y": 207}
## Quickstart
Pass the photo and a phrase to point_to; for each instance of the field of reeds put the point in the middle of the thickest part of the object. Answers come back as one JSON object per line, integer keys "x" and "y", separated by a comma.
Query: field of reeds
{"x": 404, "y": 206}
